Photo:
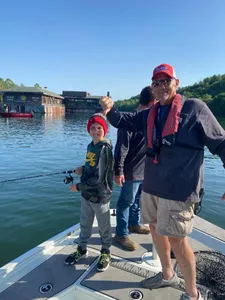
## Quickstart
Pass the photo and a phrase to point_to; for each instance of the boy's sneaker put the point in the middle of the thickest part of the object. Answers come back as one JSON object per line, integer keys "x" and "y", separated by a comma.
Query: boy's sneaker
{"x": 74, "y": 257}
{"x": 104, "y": 260}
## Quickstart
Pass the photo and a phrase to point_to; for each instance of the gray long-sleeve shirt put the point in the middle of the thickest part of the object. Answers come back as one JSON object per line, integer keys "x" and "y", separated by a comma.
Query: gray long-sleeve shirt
{"x": 178, "y": 175}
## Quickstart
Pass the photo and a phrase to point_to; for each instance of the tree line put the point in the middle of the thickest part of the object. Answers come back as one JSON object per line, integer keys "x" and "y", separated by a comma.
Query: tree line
{"x": 211, "y": 90}
{"x": 8, "y": 83}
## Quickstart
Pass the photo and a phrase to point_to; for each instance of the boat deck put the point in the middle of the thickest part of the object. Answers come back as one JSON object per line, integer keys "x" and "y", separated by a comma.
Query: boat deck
{"x": 82, "y": 281}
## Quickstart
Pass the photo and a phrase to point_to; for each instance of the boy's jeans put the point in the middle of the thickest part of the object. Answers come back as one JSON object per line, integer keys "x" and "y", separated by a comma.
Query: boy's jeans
{"x": 128, "y": 210}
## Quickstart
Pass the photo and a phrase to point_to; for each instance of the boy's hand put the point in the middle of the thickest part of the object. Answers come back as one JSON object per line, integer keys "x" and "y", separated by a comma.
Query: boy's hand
{"x": 73, "y": 188}
{"x": 106, "y": 103}
{"x": 119, "y": 180}
{"x": 79, "y": 171}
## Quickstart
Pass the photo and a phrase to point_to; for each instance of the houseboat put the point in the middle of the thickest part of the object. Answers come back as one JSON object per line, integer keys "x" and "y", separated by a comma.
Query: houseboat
{"x": 23, "y": 100}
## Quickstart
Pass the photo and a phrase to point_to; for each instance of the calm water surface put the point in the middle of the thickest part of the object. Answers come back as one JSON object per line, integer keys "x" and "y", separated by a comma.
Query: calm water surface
{"x": 32, "y": 211}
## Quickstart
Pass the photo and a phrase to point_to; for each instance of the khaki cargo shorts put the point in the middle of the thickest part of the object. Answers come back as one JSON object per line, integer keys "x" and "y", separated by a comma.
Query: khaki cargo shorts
{"x": 171, "y": 218}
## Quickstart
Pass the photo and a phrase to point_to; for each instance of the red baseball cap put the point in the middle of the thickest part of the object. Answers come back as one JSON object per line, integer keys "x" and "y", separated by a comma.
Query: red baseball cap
{"x": 164, "y": 69}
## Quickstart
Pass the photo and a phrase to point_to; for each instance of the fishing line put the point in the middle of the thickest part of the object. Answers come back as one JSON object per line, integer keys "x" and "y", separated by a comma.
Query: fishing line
{"x": 37, "y": 176}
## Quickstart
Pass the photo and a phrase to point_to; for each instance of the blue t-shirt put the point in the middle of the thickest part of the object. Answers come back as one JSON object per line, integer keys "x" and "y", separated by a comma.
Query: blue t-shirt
{"x": 160, "y": 121}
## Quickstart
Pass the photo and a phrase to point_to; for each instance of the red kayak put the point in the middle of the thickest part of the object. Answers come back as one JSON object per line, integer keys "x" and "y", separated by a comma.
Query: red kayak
{"x": 16, "y": 115}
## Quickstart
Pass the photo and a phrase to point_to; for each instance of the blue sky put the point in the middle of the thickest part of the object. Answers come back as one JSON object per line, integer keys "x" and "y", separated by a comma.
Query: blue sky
{"x": 99, "y": 46}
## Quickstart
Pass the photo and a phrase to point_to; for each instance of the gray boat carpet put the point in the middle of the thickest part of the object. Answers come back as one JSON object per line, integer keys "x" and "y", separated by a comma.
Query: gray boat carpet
{"x": 144, "y": 241}
{"x": 116, "y": 282}
{"x": 123, "y": 279}
{"x": 52, "y": 271}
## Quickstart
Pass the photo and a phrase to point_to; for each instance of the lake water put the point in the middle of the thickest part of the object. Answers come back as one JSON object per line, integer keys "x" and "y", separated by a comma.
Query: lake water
{"x": 34, "y": 210}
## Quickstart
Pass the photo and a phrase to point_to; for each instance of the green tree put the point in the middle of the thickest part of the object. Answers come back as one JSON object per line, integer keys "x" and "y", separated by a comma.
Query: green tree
{"x": 2, "y": 84}
{"x": 37, "y": 85}
{"x": 9, "y": 83}
{"x": 211, "y": 90}
{"x": 206, "y": 98}
{"x": 218, "y": 105}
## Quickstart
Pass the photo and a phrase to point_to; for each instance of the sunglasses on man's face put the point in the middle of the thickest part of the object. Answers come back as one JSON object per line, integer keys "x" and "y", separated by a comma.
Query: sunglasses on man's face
{"x": 165, "y": 82}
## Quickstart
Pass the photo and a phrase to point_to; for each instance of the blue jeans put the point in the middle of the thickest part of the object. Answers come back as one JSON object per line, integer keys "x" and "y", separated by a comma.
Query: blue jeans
{"x": 128, "y": 210}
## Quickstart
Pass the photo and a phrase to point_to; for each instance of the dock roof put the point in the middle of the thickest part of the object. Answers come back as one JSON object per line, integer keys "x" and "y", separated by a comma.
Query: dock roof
{"x": 31, "y": 89}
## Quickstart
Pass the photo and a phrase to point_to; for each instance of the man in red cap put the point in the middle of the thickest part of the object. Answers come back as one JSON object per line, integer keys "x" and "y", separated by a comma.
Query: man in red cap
{"x": 177, "y": 129}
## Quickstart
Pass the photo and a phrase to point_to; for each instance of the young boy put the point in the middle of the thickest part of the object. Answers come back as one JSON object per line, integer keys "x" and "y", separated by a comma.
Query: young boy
{"x": 96, "y": 188}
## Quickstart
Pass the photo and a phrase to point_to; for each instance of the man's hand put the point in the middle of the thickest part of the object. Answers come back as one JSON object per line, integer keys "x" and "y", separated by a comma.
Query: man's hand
{"x": 78, "y": 171}
{"x": 106, "y": 104}
{"x": 119, "y": 180}
{"x": 223, "y": 197}
{"x": 73, "y": 188}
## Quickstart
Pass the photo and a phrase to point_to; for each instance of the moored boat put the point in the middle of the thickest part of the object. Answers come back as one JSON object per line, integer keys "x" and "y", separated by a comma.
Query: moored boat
{"x": 16, "y": 115}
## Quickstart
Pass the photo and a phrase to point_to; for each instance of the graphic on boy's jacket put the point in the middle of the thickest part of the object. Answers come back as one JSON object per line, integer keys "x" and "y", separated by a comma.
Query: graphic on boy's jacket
{"x": 91, "y": 159}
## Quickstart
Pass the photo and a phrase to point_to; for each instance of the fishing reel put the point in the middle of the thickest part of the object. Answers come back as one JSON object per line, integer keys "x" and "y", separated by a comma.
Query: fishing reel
{"x": 68, "y": 179}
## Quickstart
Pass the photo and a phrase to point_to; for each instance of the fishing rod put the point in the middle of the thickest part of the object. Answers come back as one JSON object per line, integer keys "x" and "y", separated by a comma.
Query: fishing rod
{"x": 66, "y": 180}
